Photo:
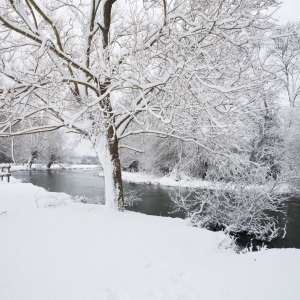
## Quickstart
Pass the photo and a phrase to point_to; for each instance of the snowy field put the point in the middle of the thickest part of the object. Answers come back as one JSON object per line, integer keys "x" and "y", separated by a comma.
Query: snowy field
{"x": 52, "y": 248}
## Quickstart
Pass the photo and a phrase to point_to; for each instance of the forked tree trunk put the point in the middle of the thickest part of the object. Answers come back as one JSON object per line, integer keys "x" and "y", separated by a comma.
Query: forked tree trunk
{"x": 52, "y": 160}
{"x": 108, "y": 154}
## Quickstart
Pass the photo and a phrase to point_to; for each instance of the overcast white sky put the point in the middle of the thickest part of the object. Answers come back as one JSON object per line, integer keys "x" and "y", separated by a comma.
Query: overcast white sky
{"x": 289, "y": 11}
{"x": 85, "y": 148}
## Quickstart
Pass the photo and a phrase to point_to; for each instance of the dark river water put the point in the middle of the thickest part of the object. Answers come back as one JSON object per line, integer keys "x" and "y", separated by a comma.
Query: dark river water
{"x": 155, "y": 199}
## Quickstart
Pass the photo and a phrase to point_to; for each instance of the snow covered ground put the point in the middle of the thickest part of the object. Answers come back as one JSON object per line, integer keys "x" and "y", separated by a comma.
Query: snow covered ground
{"x": 53, "y": 248}
{"x": 168, "y": 180}
{"x": 184, "y": 181}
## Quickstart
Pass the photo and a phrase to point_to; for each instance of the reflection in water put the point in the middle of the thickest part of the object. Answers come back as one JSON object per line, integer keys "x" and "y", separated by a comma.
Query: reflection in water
{"x": 72, "y": 182}
{"x": 155, "y": 199}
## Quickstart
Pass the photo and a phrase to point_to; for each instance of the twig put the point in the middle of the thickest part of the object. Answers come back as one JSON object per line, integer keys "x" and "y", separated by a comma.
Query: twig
{"x": 36, "y": 199}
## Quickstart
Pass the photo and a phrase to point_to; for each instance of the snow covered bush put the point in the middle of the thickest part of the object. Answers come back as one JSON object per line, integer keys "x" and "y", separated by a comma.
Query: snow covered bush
{"x": 130, "y": 197}
{"x": 237, "y": 208}
{"x": 90, "y": 200}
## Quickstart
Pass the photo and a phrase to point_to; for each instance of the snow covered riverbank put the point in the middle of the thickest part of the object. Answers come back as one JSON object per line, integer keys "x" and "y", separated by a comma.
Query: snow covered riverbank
{"x": 169, "y": 180}
{"x": 55, "y": 167}
{"x": 54, "y": 248}
{"x": 183, "y": 182}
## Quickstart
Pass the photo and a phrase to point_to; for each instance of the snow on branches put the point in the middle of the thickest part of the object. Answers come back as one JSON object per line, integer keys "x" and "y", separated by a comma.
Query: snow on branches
{"x": 103, "y": 68}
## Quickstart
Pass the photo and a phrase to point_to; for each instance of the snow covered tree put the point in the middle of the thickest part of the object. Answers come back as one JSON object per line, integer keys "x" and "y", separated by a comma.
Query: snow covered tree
{"x": 34, "y": 145}
{"x": 285, "y": 55}
{"x": 56, "y": 148}
{"x": 5, "y": 150}
{"x": 181, "y": 69}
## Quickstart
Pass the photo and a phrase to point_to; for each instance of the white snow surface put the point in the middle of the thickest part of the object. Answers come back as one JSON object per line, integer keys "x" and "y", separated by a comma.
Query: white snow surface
{"x": 52, "y": 248}
{"x": 168, "y": 180}
{"x": 184, "y": 181}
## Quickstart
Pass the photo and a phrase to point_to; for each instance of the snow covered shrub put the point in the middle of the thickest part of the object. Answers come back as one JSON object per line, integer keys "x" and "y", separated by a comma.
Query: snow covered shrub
{"x": 236, "y": 208}
{"x": 90, "y": 200}
{"x": 54, "y": 200}
{"x": 130, "y": 197}
{"x": 45, "y": 199}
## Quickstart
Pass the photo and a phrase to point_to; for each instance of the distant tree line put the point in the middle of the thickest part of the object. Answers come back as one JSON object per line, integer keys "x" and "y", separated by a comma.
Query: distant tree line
{"x": 43, "y": 148}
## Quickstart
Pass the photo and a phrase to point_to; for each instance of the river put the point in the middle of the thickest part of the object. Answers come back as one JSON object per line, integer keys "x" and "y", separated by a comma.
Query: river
{"x": 155, "y": 199}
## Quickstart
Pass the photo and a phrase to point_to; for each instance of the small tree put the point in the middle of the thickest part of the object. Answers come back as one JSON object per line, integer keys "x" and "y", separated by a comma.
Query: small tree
{"x": 56, "y": 148}
{"x": 34, "y": 144}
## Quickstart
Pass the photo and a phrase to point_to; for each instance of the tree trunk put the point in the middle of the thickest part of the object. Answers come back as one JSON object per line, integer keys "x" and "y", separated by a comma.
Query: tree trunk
{"x": 106, "y": 146}
{"x": 30, "y": 162}
{"x": 13, "y": 150}
{"x": 32, "y": 158}
{"x": 49, "y": 164}
{"x": 108, "y": 154}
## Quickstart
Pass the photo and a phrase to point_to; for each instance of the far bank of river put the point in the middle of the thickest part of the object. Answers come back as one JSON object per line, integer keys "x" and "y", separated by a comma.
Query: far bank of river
{"x": 155, "y": 198}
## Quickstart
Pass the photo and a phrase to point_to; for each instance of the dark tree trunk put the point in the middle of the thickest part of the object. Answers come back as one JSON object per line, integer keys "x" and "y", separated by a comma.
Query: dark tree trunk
{"x": 33, "y": 157}
{"x": 49, "y": 164}
{"x": 117, "y": 172}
